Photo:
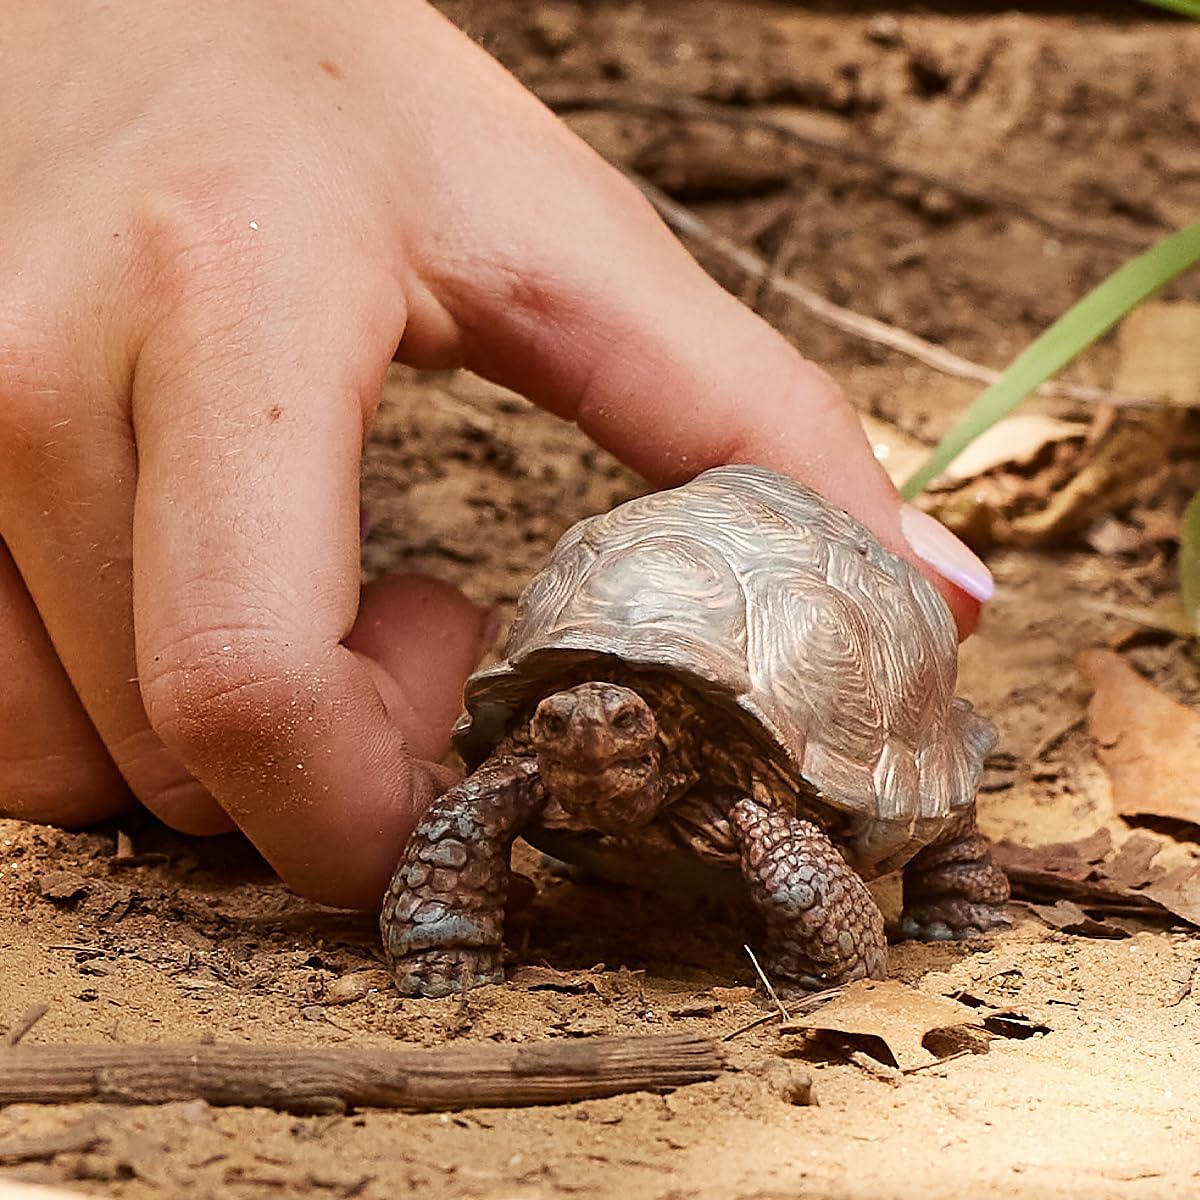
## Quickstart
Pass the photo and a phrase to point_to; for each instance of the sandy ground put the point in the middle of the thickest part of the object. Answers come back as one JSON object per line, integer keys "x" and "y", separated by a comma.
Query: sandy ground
{"x": 198, "y": 940}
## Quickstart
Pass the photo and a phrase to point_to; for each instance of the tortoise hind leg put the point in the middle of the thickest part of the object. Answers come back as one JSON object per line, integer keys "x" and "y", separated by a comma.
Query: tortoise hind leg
{"x": 952, "y": 888}
{"x": 443, "y": 915}
{"x": 823, "y": 925}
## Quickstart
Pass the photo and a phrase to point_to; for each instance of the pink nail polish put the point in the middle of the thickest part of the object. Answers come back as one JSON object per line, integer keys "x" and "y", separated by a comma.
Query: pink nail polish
{"x": 934, "y": 544}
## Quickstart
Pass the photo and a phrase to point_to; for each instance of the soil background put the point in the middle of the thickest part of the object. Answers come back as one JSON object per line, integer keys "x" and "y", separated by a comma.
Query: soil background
{"x": 964, "y": 172}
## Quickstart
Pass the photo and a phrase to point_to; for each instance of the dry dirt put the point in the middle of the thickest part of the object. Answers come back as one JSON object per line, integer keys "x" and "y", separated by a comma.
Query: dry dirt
{"x": 1062, "y": 141}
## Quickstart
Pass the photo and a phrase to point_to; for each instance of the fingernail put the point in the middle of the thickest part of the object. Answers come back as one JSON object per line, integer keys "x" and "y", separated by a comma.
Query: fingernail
{"x": 933, "y": 543}
{"x": 489, "y": 633}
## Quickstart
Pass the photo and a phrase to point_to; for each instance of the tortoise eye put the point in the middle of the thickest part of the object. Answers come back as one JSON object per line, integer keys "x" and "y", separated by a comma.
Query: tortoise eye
{"x": 626, "y": 721}
{"x": 552, "y": 725}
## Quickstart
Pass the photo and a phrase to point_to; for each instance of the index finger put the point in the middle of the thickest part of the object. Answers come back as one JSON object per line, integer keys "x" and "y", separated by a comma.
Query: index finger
{"x": 596, "y": 311}
{"x": 673, "y": 375}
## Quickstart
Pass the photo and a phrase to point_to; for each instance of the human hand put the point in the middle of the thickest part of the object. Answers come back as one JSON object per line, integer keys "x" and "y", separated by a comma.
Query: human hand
{"x": 220, "y": 220}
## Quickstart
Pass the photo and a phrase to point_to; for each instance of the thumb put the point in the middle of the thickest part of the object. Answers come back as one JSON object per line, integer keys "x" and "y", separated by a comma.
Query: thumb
{"x": 428, "y": 637}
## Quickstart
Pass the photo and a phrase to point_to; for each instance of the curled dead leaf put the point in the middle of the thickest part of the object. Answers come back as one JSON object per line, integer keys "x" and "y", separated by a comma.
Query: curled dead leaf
{"x": 1147, "y": 742}
{"x": 894, "y": 1023}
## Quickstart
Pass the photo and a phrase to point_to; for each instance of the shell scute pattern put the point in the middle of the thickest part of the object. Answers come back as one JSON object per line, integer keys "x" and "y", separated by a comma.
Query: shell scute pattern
{"x": 805, "y": 635}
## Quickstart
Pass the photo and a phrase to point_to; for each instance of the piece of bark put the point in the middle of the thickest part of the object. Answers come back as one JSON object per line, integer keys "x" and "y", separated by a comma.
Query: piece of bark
{"x": 1148, "y": 743}
{"x": 74, "y": 1139}
{"x": 332, "y": 1080}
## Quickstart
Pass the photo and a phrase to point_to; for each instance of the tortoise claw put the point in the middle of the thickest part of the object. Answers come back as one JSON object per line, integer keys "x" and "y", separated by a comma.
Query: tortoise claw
{"x": 434, "y": 973}
{"x": 957, "y": 923}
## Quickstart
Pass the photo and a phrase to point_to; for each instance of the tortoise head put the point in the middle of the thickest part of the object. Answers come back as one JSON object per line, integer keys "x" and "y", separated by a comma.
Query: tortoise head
{"x": 598, "y": 755}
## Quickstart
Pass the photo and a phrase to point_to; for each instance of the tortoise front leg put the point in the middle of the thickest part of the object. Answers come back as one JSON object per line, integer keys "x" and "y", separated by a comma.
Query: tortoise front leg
{"x": 443, "y": 915}
{"x": 823, "y": 925}
{"x": 952, "y": 888}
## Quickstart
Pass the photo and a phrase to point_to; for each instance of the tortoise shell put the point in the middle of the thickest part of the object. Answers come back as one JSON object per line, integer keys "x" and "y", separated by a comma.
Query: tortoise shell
{"x": 752, "y": 589}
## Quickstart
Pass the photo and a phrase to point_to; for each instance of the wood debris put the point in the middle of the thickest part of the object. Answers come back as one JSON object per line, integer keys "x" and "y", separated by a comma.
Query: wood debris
{"x": 335, "y": 1079}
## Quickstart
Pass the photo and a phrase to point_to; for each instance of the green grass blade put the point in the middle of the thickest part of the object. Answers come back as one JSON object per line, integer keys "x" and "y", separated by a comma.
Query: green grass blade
{"x": 1189, "y": 562}
{"x": 1073, "y": 332}
{"x": 1189, "y": 8}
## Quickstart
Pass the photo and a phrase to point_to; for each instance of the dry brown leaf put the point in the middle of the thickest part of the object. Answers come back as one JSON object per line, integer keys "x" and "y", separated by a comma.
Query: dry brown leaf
{"x": 1148, "y": 743}
{"x": 1081, "y": 872}
{"x": 608, "y": 985}
{"x": 1015, "y": 441}
{"x": 547, "y": 979}
{"x": 889, "y": 1020}
{"x": 1132, "y": 865}
{"x": 1178, "y": 892}
{"x": 1160, "y": 352}
{"x": 1057, "y": 861}
{"x": 1166, "y": 613}
{"x": 1033, "y": 481}
{"x": 1068, "y": 917}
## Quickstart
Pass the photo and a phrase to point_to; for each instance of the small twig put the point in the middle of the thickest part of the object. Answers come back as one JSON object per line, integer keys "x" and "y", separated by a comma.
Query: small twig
{"x": 937, "y": 1062}
{"x": 26, "y": 1023}
{"x": 764, "y": 1020}
{"x": 800, "y": 1008}
{"x": 462, "y": 1015}
{"x": 685, "y": 222}
{"x": 569, "y": 97}
{"x": 783, "y": 1012}
{"x": 1183, "y": 991}
{"x": 334, "y": 1079}
{"x": 873, "y": 1067}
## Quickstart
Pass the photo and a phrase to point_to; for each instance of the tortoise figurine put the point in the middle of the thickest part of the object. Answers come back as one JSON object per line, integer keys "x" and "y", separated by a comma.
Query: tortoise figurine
{"x": 730, "y": 681}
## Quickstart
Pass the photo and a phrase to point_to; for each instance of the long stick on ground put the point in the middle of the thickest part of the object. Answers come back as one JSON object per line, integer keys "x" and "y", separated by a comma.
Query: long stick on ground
{"x": 570, "y": 97}
{"x": 689, "y": 225}
{"x": 326, "y": 1080}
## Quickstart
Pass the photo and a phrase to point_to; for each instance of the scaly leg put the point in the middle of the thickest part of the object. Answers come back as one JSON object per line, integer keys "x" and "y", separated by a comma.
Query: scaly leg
{"x": 443, "y": 915}
{"x": 823, "y": 925}
{"x": 952, "y": 888}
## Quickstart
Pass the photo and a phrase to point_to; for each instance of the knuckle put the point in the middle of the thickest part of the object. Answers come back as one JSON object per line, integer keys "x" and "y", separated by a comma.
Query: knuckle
{"x": 35, "y": 383}
{"x": 218, "y": 694}
{"x": 158, "y": 779}
{"x": 200, "y": 259}
{"x": 189, "y": 232}
{"x": 217, "y": 287}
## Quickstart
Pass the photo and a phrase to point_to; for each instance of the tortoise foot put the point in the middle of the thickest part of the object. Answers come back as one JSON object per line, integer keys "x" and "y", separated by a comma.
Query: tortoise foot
{"x": 952, "y": 889}
{"x": 792, "y": 979}
{"x": 823, "y": 925}
{"x": 448, "y": 972}
{"x": 951, "y": 921}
